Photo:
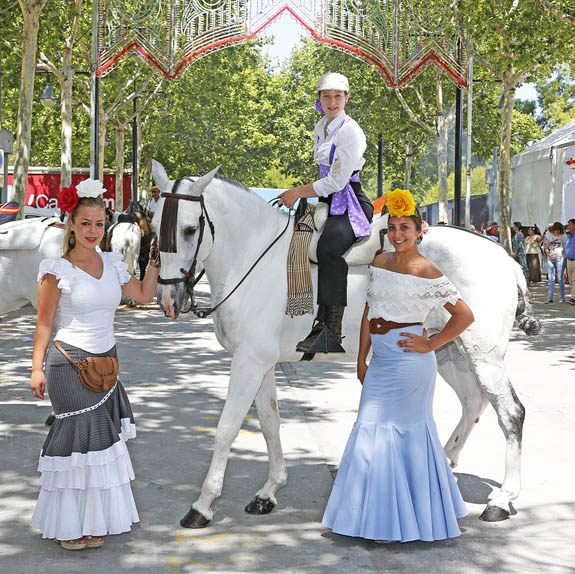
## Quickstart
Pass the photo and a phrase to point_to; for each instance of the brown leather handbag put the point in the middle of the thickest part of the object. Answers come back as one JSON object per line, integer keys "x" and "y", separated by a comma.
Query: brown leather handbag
{"x": 97, "y": 374}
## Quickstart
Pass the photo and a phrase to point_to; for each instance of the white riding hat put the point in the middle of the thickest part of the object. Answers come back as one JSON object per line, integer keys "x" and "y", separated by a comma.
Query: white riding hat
{"x": 333, "y": 81}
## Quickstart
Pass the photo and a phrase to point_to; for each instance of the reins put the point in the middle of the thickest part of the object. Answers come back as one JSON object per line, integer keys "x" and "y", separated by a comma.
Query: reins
{"x": 189, "y": 278}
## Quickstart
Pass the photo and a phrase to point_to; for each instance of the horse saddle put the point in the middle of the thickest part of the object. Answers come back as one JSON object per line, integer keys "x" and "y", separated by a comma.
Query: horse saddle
{"x": 25, "y": 234}
{"x": 360, "y": 253}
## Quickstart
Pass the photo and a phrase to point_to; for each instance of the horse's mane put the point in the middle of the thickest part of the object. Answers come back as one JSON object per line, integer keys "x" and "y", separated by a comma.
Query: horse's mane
{"x": 232, "y": 182}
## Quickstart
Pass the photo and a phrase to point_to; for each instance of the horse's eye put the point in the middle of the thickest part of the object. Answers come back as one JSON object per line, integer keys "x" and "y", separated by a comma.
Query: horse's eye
{"x": 189, "y": 231}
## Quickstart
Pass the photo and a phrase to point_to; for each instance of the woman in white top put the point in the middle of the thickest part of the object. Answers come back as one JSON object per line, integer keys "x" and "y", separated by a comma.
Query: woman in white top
{"x": 339, "y": 144}
{"x": 394, "y": 482}
{"x": 85, "y": 466}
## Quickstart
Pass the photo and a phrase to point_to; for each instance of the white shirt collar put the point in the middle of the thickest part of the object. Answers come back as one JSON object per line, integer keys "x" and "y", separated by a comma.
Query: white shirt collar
{"x": 336, "y": 123}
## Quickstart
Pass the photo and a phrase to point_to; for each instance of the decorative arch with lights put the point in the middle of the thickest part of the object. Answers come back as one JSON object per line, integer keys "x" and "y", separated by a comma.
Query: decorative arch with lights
{"x": 399, "y": 37}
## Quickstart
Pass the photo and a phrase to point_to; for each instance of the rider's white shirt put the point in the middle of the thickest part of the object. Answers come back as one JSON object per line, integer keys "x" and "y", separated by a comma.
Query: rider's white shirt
{"x": 350, "y": 144}
{"x": 153, "y": 205}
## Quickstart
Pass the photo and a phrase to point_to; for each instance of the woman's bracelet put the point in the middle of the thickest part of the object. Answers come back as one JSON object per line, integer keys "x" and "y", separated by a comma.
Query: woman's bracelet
{"x": 154, "y": 265}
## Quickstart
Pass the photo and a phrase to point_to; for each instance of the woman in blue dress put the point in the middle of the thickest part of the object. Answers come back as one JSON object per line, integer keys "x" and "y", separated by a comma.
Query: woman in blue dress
{"x": 394, "y": 482}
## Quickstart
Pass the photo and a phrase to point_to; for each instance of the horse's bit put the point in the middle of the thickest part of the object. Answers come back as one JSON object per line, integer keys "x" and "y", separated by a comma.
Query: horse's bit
{"x": 189, "y": 279}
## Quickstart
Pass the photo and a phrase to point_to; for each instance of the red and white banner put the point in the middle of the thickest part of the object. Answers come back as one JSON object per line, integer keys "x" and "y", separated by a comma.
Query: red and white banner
{"x": 44, "y": 185}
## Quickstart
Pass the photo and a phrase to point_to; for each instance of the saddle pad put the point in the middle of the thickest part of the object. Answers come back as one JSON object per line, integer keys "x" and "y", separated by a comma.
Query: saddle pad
{"x": 360, "y": 253}
{"x": 25, "y": 234}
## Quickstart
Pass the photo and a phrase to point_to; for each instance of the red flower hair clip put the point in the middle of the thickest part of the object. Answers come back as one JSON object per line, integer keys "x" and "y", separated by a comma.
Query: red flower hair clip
{"x": 68, "y": 199}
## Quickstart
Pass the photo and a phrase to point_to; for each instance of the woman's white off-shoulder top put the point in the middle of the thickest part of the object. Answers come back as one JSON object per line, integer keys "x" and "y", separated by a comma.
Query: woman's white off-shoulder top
{"x": 87, "y": 305}
{"x": 406, "y": 298}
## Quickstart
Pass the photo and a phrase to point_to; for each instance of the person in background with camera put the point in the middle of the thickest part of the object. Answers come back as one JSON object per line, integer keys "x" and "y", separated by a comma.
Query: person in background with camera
{"x": 554, "y": 249}
{"x": 85, "y": 465}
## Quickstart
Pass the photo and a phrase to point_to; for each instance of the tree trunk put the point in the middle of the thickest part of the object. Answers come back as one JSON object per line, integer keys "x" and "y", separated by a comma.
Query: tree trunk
{"x": 509, "y": 86}
{"x": 102, "y": 125}
{"x": 120, "y": 149}
{"x": 408, "y": 160}
{"x": 146, "y": 177}
{"x": 31, "y": 10}
{"x": 442, "y": 140}
{"x": 66, "y": 113}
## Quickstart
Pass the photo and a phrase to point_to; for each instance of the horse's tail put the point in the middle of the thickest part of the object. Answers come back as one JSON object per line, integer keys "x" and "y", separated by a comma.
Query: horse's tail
{"x": 526, "y": 321}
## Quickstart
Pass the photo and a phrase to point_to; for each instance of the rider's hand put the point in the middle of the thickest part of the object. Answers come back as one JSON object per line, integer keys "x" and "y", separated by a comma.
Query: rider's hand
{"x": 361, "y": 370}
{"x": 419, "y": 344}
{"x": 38, "y": 384}
{"x": 289, "y": 197}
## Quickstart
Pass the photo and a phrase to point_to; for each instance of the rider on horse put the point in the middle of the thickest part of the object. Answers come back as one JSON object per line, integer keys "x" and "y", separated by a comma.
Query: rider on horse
{"x": 339, "y": 144}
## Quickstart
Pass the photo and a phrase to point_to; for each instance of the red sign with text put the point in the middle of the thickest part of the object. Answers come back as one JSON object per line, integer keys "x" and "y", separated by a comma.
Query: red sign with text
{"x": 43, "y": 188}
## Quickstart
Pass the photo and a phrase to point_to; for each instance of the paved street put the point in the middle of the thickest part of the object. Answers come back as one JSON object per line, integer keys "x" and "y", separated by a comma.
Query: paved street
{"x": 176, "y": 376}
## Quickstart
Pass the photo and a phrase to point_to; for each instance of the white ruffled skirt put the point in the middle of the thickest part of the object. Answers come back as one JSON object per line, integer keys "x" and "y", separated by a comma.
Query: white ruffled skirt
{"x": 85, "y": 465}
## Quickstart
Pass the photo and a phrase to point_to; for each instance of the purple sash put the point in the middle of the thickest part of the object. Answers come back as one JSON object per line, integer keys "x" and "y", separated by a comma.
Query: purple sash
{"x": 347, "y": 200}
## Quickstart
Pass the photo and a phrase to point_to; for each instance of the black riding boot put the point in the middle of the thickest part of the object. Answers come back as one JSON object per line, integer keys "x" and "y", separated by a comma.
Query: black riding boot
{"x": 333, "y": 321}
{"x": 318, "y": 327}
{"x": 325, "y": 336}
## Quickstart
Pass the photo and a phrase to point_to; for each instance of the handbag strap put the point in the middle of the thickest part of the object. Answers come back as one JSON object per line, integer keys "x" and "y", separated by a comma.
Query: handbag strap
{"x": 60, "y": 348}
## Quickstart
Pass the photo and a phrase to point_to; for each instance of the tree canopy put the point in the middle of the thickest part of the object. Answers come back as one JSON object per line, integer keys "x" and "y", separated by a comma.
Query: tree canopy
{"x": 233, "y": 108}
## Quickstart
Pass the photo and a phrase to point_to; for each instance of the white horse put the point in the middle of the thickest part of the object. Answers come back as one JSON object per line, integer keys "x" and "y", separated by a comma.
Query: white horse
{"x": 23, "y": 244}
{"x": 126, "y": 239}
{"x": 253, "y": 327}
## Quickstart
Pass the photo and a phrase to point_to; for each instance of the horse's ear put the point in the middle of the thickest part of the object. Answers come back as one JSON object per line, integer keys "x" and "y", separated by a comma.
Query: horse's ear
{"x": 159, "y": 174}
{"x": 202, "y": 182}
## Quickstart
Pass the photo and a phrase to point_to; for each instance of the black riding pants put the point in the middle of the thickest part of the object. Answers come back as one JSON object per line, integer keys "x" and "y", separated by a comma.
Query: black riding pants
{"x": 336, "y": 238}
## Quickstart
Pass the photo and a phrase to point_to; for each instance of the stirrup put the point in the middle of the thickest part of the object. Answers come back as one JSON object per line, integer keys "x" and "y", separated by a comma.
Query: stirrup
{"x": 325, "y": 342}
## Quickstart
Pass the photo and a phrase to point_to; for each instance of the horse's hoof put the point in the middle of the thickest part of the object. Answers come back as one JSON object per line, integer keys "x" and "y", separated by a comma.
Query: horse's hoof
{"x": 50, "y": 420}
{"x": 194, "y": 519}
{"x": 260, "y": 506}
{"x": 494, "y": 514}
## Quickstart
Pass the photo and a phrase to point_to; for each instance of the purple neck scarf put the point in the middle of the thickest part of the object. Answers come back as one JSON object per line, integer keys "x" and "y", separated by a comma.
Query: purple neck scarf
{"x": 346, "y": 200}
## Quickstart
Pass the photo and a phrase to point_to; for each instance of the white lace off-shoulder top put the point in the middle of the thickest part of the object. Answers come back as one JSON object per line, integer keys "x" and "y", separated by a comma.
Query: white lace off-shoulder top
{"x": 406, "y": 298}
{"x": 87, "y": 305}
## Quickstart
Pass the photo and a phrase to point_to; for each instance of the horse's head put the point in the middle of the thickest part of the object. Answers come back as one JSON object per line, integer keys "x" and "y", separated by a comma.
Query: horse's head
{"x": 184, "y": 234}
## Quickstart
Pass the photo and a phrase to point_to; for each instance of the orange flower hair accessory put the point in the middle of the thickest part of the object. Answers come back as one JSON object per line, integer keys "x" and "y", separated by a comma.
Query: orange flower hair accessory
{"x": 400, "y": 203}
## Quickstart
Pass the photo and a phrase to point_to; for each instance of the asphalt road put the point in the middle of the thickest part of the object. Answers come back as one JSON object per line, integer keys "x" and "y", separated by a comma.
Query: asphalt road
{"x": 176, "y": 376}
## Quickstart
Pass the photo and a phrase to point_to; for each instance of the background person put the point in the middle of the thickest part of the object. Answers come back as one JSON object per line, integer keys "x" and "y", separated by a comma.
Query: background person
{"x": 554, "y": 248}
{"x": 339, "y": 145}
{"x": 518, "y": 247}
{"x": 154, "y": 201}
{"x": 532, "y": 254}
{"x": 570, "y": 258}
{"x": 394, "y": 481}
{"x": 85, "y": 465}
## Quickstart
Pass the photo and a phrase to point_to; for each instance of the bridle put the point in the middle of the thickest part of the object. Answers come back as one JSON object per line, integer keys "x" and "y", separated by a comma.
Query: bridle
{"x": 189, "y": 277}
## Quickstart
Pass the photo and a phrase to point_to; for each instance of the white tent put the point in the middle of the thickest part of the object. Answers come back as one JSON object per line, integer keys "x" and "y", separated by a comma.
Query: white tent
{"x": 544, "y": 180}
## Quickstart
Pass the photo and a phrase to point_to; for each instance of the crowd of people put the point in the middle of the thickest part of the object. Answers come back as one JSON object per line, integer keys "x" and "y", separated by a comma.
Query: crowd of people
{"x": 551, "y": 252}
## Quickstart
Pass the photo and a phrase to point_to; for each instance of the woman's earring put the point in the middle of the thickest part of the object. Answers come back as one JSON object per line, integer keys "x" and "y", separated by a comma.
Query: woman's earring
{"x": 420, "y": 239}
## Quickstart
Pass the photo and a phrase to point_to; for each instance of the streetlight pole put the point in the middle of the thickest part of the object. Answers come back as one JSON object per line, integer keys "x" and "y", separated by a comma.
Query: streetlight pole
{"x": 135, "y": 152}
{"x": 379, "y": 166}
{"x": 94, "y": 98}
{"x": 458, "y": 138}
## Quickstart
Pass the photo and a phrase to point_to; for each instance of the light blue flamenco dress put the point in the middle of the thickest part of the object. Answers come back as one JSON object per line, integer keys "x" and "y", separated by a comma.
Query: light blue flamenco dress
{"x": 394, "y": 482}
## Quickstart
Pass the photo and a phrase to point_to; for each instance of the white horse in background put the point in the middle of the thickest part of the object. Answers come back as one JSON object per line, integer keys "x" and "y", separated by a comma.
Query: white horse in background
{"x": 23, "y": 244}
{"x": 253, "y": 327}
{"x": 126, "y": 239}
